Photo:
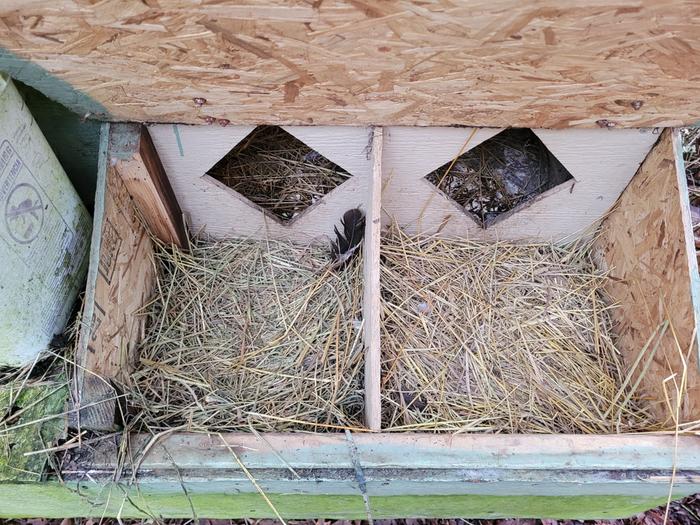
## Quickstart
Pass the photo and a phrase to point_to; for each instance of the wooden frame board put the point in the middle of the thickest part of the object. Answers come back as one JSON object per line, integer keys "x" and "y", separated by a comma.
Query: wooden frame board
{"x": 647, "y": 243}
{"x": 548, "y": 64}
{"x": 373, "y": 466}
{"x": 133, "y": 199}
{"x": 372, "y": 289}
{"x": 158, "y": 500}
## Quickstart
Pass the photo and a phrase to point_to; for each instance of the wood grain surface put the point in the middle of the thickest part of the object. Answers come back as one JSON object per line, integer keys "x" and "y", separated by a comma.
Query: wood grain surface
{"x": 629, "y": 63}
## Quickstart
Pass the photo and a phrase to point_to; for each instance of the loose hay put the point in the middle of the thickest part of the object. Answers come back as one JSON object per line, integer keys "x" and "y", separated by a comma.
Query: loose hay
{"x": 251, "y": 334}
{"x": 498, "y": 337}
{"x": 278, "y": 172}
{"x": 500, "y": 174}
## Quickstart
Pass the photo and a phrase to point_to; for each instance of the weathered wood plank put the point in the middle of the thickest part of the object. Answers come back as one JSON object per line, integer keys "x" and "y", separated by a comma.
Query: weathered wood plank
{"x": 487, "y": 63}
{"x": 167, "y": 500}
{"x": 120, "y": 280}
{"x": 422, "y": 452}
{"x": 372, "y": 289}
{"x": 140, "y": 168}
{"x": 647, "y": 244}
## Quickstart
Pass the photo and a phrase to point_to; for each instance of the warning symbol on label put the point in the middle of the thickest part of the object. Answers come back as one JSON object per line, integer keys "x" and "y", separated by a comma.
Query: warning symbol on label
{"x": 24, "y": 213}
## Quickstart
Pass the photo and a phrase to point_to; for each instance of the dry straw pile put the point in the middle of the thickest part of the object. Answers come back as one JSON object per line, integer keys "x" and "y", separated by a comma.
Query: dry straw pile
{"x": 278, "y": 172}
{"x": 251, "y": 334}
{"x": 500, "y": 174}
{"x": 499, "y": 337}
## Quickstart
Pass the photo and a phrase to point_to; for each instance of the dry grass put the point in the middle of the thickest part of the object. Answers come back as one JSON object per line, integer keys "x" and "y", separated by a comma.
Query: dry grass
{"x": 500, "y": 174}
{"x": 499, "y": 337}
{"x": 278, "y": 172}
{"x": 251, "y": 334}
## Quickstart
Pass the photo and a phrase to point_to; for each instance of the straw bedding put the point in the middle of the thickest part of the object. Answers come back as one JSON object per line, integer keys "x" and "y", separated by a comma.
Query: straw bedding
{"x": 477, "y": 337}
{"x": 500, "y": 174}
{"x": 278, "y": 172}
{"x": 498, "y": 337}
{"x": 251, "y": 334}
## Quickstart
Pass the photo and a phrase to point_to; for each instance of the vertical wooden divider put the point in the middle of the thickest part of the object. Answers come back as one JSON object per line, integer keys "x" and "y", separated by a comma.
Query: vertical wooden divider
{"x": 372, "y": 302}
{"x": 132, "y": 188}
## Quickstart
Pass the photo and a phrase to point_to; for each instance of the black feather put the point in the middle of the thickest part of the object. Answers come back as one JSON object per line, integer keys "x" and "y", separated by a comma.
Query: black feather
{"x": 347, "y": 243}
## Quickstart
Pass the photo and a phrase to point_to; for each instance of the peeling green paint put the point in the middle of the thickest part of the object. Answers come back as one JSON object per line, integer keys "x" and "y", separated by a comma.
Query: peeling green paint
{"x": 19, "y": 436}
{"x": 52, "y": 500}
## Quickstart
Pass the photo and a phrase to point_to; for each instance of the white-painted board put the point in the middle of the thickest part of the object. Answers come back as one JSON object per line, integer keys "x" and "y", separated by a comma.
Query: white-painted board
{"x": 602, "y": 162}
{"x": 188, "y": 152}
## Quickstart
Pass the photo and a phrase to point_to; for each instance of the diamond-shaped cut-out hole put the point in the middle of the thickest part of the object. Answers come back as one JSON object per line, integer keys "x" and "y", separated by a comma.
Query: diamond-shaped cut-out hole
{"x": 278, "y": 172}
{"x": 500, "y": 174}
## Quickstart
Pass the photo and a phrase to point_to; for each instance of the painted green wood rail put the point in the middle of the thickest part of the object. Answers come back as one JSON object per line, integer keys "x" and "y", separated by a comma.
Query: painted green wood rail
{"x": 186, "y": 475}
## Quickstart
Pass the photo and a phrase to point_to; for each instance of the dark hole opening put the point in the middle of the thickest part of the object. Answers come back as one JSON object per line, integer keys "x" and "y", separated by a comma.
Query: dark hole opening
{"x": 278, "y": 172}
{"x": 500, "y": 174}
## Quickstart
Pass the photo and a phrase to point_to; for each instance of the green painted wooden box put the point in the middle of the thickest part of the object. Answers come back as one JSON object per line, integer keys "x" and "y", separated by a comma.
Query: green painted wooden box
{"x": 646, "y": 242}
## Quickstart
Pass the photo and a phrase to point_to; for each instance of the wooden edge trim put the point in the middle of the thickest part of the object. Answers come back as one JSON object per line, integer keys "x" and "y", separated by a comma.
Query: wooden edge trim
{"x": 691, "y": 252}
{"x": 87, "y": 389}
{"x": 143, "y": 174}
{"x": 412, "y": 451}
{"x": 372, "y": 302}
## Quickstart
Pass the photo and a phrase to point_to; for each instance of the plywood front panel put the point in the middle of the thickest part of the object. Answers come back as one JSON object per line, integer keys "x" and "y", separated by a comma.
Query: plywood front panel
{"x": 602, "y": 162}
{"x": 120, "y": 282}
{"x": 631, "y": 63}
{"x": 647, "y": 244}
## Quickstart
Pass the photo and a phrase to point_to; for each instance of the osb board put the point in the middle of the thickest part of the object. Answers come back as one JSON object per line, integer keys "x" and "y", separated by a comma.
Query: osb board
{"x": 634, "y": 63}
{"x": 120, "y": 281}
{"x": 601, "y": 162}
{"x": 648, "y": 246}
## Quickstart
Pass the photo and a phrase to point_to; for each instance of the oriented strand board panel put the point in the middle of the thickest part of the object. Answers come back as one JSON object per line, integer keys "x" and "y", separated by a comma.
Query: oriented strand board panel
{"x": 188, "y": 152}
{"x": 372, "y": 288}
{"x": 120, "y": 281}
{"x": 630, "y": 63}
{"x": 601, "y": 162}
{"x": 647, "y": 243}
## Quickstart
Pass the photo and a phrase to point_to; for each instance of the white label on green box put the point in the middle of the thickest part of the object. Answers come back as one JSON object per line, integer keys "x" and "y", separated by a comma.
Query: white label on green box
{"x": 44, "y": 236}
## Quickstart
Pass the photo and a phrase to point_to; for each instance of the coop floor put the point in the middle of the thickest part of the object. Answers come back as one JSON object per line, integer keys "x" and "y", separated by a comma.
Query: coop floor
{"x": 251, "y": 334}
{"x": 498, "y": 337}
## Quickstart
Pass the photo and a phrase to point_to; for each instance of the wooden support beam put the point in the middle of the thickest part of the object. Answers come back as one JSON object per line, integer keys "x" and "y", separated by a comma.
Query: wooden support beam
{"x": 372, "y": 291}
{"x": 140, "y": 168}
{"x": 120, "y": 281}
